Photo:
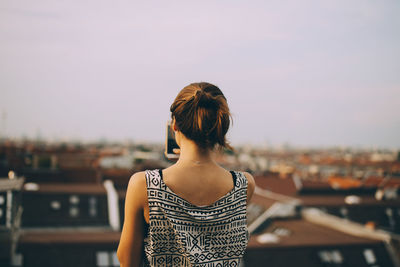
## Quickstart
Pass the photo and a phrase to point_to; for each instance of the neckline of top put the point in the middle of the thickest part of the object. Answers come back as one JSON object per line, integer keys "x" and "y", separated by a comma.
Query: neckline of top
{"x": 200, "y": 206}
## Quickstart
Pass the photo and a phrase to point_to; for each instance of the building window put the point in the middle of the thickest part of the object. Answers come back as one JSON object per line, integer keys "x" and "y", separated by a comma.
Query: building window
{"x": 329, "y": 257}
{"x": 115, "y": 260}
{"x": 92, "y": 206}
{"x": 74, "y": 199}
{"x": 55, "y": 205}
{"x": 74, "y": 205}
{"x": 107, "y": 259}
{"x": 369, "y": 256}
{"x": 73, "y": 211}
{"x": 17, "y": 260}
{"x": 344, "y": 212}
{"x": 102, "y": 259}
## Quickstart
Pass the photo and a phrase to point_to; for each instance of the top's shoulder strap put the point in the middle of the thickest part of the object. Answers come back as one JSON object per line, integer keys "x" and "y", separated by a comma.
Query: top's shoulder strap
{"x": 234, "y": 177}
{"x": 153, "y": 179}
{"x": 241, "y": 179}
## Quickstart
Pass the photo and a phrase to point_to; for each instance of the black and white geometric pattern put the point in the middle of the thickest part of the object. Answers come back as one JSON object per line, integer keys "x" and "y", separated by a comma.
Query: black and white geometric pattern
{"x": 182, "y": 234}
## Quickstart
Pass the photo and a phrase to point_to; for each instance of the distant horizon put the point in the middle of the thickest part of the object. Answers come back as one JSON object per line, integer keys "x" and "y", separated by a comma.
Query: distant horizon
{"x": 266, "y": 145}
{"x": 309, "y": 73}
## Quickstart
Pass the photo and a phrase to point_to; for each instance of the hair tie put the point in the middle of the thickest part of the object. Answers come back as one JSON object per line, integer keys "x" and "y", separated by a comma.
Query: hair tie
{"x": 205, "y": 100}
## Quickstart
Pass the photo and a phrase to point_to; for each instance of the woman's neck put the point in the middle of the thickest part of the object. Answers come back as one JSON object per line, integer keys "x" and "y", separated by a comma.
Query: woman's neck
{"x": 191, "y": 154}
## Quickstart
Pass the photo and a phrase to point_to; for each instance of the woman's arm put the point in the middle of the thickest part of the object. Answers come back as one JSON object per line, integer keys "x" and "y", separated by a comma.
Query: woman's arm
{"x": 251, "y": 185}
{"x": 130, "y": 246}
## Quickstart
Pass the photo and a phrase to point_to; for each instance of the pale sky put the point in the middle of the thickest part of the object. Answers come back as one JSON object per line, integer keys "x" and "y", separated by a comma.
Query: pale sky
{"x": 309, "y": 73}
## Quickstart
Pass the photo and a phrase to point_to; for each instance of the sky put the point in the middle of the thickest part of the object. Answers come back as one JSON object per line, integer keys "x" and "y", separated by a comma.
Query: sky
{"x": 306, "y": 73}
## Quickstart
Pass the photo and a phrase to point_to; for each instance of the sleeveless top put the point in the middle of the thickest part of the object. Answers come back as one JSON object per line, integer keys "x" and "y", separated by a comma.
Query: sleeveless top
{"x": 182, "y": 234}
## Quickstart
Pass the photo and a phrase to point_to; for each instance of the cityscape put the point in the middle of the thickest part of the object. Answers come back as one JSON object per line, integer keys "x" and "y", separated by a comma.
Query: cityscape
{"x": 63, "y": 202}
{"x": 313, "y": 90}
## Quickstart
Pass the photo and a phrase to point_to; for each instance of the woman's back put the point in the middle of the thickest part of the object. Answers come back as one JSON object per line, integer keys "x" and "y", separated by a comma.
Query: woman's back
{"x": 199, "y": 184}
{"x": 181, "y": 233}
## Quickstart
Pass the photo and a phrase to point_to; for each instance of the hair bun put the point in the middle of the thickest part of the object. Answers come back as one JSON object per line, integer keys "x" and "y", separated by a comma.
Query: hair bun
{"x": 202, "y": 114}
{"x": 205, "y": 100}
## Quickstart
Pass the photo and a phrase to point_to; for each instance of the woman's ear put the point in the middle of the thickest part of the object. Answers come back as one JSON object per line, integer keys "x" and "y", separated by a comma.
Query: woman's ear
{"x": 173, "y": 125}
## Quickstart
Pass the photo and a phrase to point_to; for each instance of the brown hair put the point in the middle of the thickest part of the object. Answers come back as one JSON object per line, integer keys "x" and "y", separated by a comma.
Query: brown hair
{"x": 202, "y": 114}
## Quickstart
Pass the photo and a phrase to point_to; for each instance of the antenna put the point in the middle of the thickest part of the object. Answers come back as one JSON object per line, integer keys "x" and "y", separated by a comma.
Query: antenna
{"x": 3, "y": 123}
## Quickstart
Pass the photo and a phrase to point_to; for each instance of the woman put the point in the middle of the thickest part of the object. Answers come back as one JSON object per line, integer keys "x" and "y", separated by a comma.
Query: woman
{"x": 193, "y": 212}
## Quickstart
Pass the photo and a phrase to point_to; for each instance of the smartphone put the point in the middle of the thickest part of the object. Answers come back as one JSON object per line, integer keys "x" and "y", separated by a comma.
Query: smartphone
{"x": 170, "y": 143}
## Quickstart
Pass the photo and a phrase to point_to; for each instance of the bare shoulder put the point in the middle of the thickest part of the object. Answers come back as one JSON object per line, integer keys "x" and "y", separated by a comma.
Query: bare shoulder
{"x": 136, "y": 190}
{"x": 251, "y": 184}
{"x": 138, "y": 178}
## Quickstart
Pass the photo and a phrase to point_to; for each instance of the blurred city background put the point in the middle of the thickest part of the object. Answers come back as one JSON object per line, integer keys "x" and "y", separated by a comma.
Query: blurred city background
{"x": 313, "y": 87}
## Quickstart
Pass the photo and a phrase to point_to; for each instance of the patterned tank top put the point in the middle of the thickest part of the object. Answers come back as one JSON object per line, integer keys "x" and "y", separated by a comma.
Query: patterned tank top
{"x": 182, "y": 234}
